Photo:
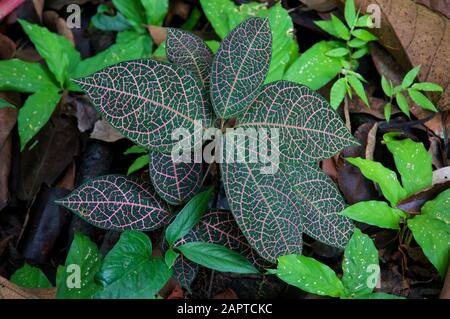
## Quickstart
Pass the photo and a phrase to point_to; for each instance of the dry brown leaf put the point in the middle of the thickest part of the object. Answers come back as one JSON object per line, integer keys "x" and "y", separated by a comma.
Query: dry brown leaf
{"x": 441, "y": 6}
{"x": 441, "y": 175}
{"x": 158, "y": 34}
{"x": 103, "y": 131}
{"x": 320, "y": 5}
{"x": 9, "y": 290}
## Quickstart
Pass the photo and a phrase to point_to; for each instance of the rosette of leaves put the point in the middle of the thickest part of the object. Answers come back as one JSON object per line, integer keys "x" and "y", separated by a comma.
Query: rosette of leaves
{"x": 147, "y": 100}
{"x": 47, "y": 84}
{"x": 360, "y": 267}
{"x": 431, "y": 228}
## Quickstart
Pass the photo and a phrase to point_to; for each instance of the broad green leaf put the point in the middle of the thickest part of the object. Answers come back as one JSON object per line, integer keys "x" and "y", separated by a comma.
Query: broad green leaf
{"x": 359, "y": 88}
{"x": 138, "y": 163}
{"x": 384, "y": 177}
{"x": 59, "y": 53}
{"x": 175, "y": 181}
{"x": 246, "y": 51}
{"x": 439, "y": 207}
{"x": 433, "y": 236}
{"x": 402, "y": 103}
{"x": 187, "y": 50}
{"x": 327, "y": 26}
{"x": 136, "y": 149}
{"x": 350, "y": 13}
{"x": 129, "y": 270}
{"x": 413, "y": 162}
{"x": 217, "y": 257}
{"x": 102, "y": 21}
{"x": 155, "y": 10}
{"x": 133, "y": 11}
{"x": 386, "y": 86}
{"x": 119, "y": 203}
{"x": 82, "y": 263}
{"x": 378, "y": 295}
{"x": 387, "y": 111}
{"x": 427, "y": 86}
{"x": 374, "y": 213}
{"x": 4, "y": 104}
{"x": 314, "y": 68}
{"x": 364, "y": 35}
{"x": 217, "y": 12}
{"x": 360, "y": 259}
{"x": 342, "y": 31}
{"x": 188, "y": 217}
{"x": 309, "y": 275}
{"x": 30, "y": 277}
{"x": 170, "y": 257}
{"x": 116, "y": 53}
{"x": 149, "y": 117}
{"x": 337, "y": 93}
{"x": 301, "y": 115}
{"x": 21, "y": 76}
{"x": 339, "y": 52}
{"x": 421, "y": 100}
{"x": 36, "y": 112}
{"x": 410, "y": 77}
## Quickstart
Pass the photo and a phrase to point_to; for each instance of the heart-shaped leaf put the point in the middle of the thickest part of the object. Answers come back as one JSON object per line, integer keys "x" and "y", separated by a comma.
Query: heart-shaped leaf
{"x": 119, "y": 203}
{"x": 187, "y": 50}
{"x": 309, "y": 130}
{"x": 241, "y": 66}
{"x": 175, "y": 182}
{"x": 147, "y": 101}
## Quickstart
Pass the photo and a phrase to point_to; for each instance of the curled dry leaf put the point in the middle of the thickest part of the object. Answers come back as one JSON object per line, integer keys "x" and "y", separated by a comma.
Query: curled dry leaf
{"x": 9, "y": 290}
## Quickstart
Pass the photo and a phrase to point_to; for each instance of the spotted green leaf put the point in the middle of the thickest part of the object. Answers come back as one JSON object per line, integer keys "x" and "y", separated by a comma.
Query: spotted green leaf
{"x": 360, "y": 260}
{"x": 384, "y": 177}
{"x": 76, "y": 279}
{"x": 309, "y": 275}
{"x": 36, "y": 112}
{"x": 413, "y": 162}
{"x": 130, "y": 271}
{"x": 21, "y": 76}
{"x": 155, "y": 11}
{"x": 147, "y": 101}
{"x": 240, "y": 67}
{"x": 375, "y": 213}
{"x": 439, "y": 207}
{"x": 119, "y": 203}
{"x": 30, "y": 277}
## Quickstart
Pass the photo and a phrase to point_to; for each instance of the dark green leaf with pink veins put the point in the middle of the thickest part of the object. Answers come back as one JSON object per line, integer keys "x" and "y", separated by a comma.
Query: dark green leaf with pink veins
{"x": 187, "y": 50}
{"x": 175, "y": 182}
{"x": 240, "y": 67}
{"x": 119, "y": 203}
{"x": 148, "y": 100}
{"x": 309, "y": 129}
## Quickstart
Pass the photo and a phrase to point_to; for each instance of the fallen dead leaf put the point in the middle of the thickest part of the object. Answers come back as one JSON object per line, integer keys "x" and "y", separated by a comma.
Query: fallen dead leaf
{"x": 9, "y": 290}
{"x": 414, "y": 203}
{"x": 441, "y": 6}
{"x": 104, "y": 131}
{"x": 158, "y": 34}
{"x": 441, "y": 175}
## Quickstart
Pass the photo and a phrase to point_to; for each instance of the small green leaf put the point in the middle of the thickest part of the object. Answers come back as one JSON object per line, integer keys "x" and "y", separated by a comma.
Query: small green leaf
{"x": 20, "y": 76}
{"x": 133, "y": 11}
{"x": 138, "y": 163}
{"x": 361, "y": 52}
{"x": 359, "y": 88}
{"x": 217, "y": 257}
{"x": 4, "y": 104}
{"x": 170, "y": 257}
{"x": 386, "y": 86}
{"x": 102, "y": 21}
{"x": 427, "y": 86}
{"x": 135, "y": 149}
{"x": 402, "y": 103}
{"x": 129, "y": 270}
{"x": 59, "y": 53}
{"x": 342, "y": 31}
{"x": 327, "y": 26}
{"x": 337, "y": 92}
{"x": 339, "y": 52}
{"x": 309, "y": 275}
{"x": 413, "y": 162}
{"x": 356, "y": 43}
{"x": 364, "y": 22}
{"x": 350, "y": 13}
{"x": 410, "y": 77}
{"x": 387, "y": 111}
{"x": 188, "y": 217}
{"x": 360, "y": 261}
{"x": 82, "y": 262}
{"x": 439, "y": 207}
{"x": 374, "y": 213}
{"x": 384, "y": 177}
{"x": 433, "y": 236}
{"x": 364, "y": 35}
{"x": 155, "y": 10}
{"x": 36, "y": 112}
{"x": 30, "y": 277}
{"x": 421, "y": 100}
